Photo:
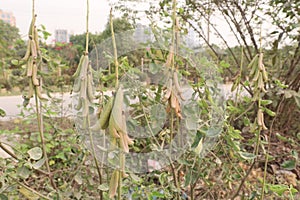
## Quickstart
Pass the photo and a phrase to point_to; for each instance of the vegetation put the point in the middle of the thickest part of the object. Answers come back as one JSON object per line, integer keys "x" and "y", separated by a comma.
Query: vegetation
{"x": 244, "y": 148}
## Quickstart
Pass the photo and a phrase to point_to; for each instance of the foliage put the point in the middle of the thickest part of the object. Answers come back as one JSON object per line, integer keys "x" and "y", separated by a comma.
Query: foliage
{"x": 256, "y": 154}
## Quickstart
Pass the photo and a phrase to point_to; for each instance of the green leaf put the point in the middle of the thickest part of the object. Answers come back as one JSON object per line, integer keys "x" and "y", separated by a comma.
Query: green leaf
{"x": 265, "y": 102}
{"x": 14, "y": 62}
{"x": 157, "y": 194}
{"x": 246, "y": 155}
{"x": 2, "y": 113}
{"x": 38, "y": 164}
{"x": 278, "y": 189}
{"x": 270, "y": 112}
{"x": 23, "y": 172}
{"x": 103, "y": 187}
{"x": 3, "y": 197}
{"x": 35, "y": 153}
{"x": 289, "y": 164}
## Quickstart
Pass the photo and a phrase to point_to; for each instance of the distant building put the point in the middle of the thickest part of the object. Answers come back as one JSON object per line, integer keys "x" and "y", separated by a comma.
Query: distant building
{"x": 8, "y": 17}
{"x": 61, "y": 36}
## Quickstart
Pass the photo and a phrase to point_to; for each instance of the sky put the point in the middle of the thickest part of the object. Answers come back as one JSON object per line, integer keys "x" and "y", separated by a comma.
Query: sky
{"x": 59, "y": 14}
{"x": 71, "y": 15}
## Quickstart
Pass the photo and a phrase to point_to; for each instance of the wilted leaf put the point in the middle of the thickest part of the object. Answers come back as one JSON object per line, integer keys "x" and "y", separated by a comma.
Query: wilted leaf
{"x": 38, "y": 164}
{"x": 246, "y": 155}
{"x": 35, "y": 153}
{"x": 28, "y": 194}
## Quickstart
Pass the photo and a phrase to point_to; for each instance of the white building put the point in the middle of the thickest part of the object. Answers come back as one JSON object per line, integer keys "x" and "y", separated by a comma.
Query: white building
{"x": 61, "y": 36}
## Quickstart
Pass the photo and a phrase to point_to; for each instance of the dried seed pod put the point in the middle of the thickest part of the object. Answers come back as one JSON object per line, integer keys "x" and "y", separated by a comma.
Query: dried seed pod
{"x": 256, "y": 75}
{"x": 35, "y": 81}
{"x": 36, "y": 39}
{"x": 28, "y": 51}
{"x": 32, "y": 24}
{"x": 83, "y": 87}
{"x": 176, "y": 82}
{"x": 124, "y": 143}
{"x": 260, "y": 82}
{"x": 113, "y": 185}
{"x": 39, "y": 94}
{"x": 33, "y": 49}
{"x": 265, "y": 75}
{"x": 259, "y": 117}
{"x": 30, "y": 90}
{"x": 260, "y": 62}
{"x": 112, "y": 130}
{"x": 169, "y": 90}
{"x": 29, "y": 67}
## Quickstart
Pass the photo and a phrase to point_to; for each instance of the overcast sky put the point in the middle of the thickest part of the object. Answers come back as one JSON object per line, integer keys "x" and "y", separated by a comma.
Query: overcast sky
{"x": 59, "y": 14}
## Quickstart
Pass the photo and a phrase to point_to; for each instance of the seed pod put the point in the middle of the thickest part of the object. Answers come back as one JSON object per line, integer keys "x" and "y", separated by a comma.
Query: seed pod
{"x": 84, "y": 67}
{"x": 32, "y": 24}
{"x": 39, "y": 94}
{"x": 29, "y": 67}
{"x": 33, "y": 49}
{"x": 169, "y": 90}
{"x": 124, "y": 143}
{"x": 30, "y": 90}
{"x": 77, "y": 84}
{"x": 112, "y": 130}
{"x": 83, "y": 87}
{"x": 260, "y": 62}
{"x": 90, "y": 88}
{"x": 36, "y": 39}
{"x": 76, "y": 74}
{"x": 256, "y": 75}
{"x": 79, "y": 104}
{"x": 113, "y": 185}
{"x": 176, "y": 82}
{"x": 35, "y": 81}
{"x": 260, "y": 82}
{"x": 117, "y": 110}
{"x": 265, "y": 75}
{"x": 28, "y": 51}
{"x": 173, "y": 101}
{"x": 85, "y": 107}
{"x": 105, "y": 114}
{"x": 253, "y": 61}
{"x": 259, "y": 117}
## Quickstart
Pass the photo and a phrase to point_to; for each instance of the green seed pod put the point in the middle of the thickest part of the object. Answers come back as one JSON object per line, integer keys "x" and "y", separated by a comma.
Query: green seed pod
{"x": 114, "y": 182}
{"x": 117, "y": 110}
{"x": 105, "y": 114}
{"x": 36, "y": 39}
{"x": 76, "y": 86}
{"x": 32, "y": 24}
{"x": 79, "y": 104}
{"x": 76, "y": 74}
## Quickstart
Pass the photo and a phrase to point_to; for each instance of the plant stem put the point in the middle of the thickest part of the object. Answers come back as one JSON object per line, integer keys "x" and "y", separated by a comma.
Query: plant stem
{"x": 116, "y": 86}
{"x": 38, "y": 106}
{"x": 87, "y": 27}
{"x": 114, "y": 47}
